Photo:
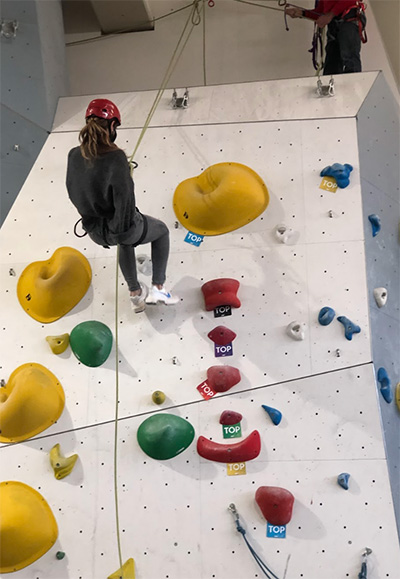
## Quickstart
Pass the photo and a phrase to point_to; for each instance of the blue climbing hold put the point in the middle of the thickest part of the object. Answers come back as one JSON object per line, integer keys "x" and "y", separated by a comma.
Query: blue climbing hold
{"x": 325, "y": 316}
{"x": 273, "y": 413}
{"x": 376, "y": 224}
{"x": 349, "y": 327}
{"x": 343, "y": 480}
{"x": 384, "y": 381}
{"x": 341, "y": 173}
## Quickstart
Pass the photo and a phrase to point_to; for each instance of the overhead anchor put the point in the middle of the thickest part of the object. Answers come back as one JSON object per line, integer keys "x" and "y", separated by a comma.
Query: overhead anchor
{"x": 180, "y": 102}
{"x": 327, "y": 89}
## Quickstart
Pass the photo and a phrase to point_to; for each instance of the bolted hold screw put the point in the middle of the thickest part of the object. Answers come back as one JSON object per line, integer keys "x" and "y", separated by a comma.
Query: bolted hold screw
{"x": 8, "y": 28}
{"x": 176, "y": 224}
{"x": 11, "y": 271}
{"x": 330, "y": 213}
{"x": 16, "y": 147}
{"x": 175, "y": 361}
{"x": 337, "y": 353}
{"x": 2, "y": 383}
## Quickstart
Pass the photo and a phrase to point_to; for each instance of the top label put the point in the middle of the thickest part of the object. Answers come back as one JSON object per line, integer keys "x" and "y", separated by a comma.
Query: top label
{"x": 329, "y": 184}
{"x": 194, "y": 238}
{"x": 222, "y": 311}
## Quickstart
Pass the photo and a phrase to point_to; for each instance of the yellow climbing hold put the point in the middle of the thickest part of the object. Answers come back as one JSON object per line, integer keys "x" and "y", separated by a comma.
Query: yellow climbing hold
{"x": 223, "y": 198}
{"x": 61, "y": 465}
{"x": 397, "y": 391}
{"x": 58, "y": 344}
{"x": 47, "y": 290}
{"x": 28, "y": 528}
{"x": 127, "y": 571}
{"x": 31, "y": 401}
{"x": 158, "y": 397}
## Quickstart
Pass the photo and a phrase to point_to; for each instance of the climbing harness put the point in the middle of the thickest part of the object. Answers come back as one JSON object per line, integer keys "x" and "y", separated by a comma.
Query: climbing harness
{"x": 363, "y": 573}
{"x": 263, "y": 566}
{"x": 357, "y": 16}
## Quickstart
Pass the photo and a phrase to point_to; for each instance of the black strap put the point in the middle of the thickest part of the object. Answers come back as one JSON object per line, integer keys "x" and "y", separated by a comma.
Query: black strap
{"x": 75, "y": 226}
{"x": 144, "y": 232}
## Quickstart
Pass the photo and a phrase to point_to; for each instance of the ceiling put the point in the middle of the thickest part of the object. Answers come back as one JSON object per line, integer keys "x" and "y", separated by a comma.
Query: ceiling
{"x": 108, "y": 16}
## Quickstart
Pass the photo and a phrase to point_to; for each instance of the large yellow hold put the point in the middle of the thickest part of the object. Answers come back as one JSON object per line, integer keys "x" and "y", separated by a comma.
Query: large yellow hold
{"x": 223, "y": 198}
{"x": 31, "y": 401}
{"x": 28, "y": 528}
{"x": 47, "y": 290}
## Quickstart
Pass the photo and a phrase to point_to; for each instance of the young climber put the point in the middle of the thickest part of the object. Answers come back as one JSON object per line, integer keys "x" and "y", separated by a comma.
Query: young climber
{"x": 100, "y": 186}
{"x": 346, "y": 30}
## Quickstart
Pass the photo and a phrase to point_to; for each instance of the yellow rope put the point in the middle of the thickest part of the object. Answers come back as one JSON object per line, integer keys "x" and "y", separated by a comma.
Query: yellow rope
{"x": 116, "y": 415}
{"x": 204, "y": 43}
{"x": 195, "y": 18}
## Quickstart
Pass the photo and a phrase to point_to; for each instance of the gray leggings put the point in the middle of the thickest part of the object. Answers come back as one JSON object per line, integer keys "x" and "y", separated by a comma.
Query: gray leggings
{"x": 158, "y": 235}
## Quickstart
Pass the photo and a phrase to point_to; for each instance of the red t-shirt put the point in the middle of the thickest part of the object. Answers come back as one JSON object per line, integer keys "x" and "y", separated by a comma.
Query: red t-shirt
{"x": 337, "y": 7}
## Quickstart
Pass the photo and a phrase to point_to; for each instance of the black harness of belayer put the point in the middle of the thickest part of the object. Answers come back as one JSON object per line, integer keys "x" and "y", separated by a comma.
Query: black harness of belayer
{"x": 355, "y": 13}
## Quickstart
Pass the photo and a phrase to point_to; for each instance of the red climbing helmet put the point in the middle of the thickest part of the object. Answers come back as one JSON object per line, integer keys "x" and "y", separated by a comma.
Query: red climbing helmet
{"x": 104, "y": 109}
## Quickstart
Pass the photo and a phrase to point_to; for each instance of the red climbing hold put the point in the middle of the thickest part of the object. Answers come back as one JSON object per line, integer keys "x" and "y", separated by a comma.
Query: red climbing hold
{"x": 229, "y": 417}
{"x": 221, "y": 335}
{"x": 221, "y": 292}
{"x": 276, "y": 504}
{"x": 246, "y": 449}
{"x": 222, "y": 378}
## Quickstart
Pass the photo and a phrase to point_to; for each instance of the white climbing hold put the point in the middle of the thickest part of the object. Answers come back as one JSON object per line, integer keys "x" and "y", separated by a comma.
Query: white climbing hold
{"x": 296, "y": 331}
{"x": 380, "y": 295}
{"x": 286, "y": 235}
{"x": 144, "y": 264}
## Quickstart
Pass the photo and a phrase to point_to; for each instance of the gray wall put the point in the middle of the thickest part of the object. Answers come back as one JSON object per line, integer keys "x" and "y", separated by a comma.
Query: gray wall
{"x": 378, "y": 135}
{"x": 33, "y": 75}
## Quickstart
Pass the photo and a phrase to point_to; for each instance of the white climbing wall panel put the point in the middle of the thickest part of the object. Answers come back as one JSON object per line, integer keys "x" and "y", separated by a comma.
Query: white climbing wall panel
{"x": 174, "y": 518}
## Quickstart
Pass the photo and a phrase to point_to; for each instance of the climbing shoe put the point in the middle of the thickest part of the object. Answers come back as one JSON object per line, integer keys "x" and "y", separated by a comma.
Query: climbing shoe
{"x": 161, "y": 296}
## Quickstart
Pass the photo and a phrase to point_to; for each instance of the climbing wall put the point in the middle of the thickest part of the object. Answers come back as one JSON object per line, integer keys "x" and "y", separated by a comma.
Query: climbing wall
{"x": 175, "y": 521}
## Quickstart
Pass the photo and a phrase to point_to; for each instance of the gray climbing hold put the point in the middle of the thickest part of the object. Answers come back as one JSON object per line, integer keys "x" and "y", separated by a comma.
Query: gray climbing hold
{"x": 380, "y": 295}
{"x": 296, "y": 331}
{"x": 274, "y": 414}
{"x": 375, "y": 223}
{"x": 343, "y": 480}
{"x": 349, "y": 327}
{"x": 285, "y": 235}
{"x": 384, "y": 381}
{"x": 326, "y": 315}
{"x": 144, "y": 264}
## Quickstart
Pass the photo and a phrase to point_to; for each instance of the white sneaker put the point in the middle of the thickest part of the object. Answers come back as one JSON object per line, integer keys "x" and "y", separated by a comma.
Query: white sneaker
{"x": 138, "y": 303}
{"x": 161, "y": 296}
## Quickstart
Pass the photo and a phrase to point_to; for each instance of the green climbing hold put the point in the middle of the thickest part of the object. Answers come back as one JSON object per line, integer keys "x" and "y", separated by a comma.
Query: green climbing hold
{"x": 91, "y": 342}
{"x": 163, "y": 436}
{"x": 60, "y": 555}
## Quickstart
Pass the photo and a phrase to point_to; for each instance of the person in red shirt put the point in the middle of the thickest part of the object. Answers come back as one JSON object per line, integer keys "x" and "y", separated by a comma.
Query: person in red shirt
{"x": 346, "y": 23}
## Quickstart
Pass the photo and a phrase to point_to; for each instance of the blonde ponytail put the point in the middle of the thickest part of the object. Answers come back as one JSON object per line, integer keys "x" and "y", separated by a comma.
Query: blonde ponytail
{"x": 95, "y": 138}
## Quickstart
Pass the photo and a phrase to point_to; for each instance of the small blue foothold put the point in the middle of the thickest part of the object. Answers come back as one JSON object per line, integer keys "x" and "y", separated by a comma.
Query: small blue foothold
{"x": 325, "y": 316}
{"x": 273, "y": 413}
{"x": 376, "y": 224}
{"x": 384, "y": 381}
{"x": 343, "y": 480}
{"x": 349, "y": 327}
